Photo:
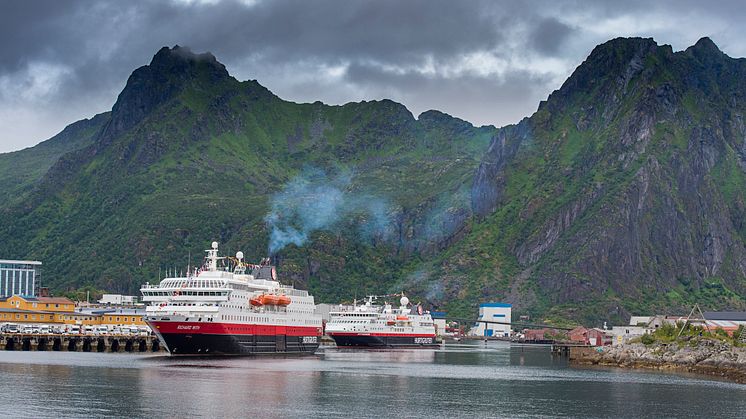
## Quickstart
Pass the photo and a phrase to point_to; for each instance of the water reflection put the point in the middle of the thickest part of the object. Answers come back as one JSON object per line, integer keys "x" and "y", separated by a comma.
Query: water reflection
{"x": 493, "y": 379}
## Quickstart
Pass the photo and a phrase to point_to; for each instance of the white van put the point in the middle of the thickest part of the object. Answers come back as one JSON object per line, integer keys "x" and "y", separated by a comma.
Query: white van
{"x": 102, "y": 330}
{"x": 73, "y": 329}
{"x": 44, "y": 329}
{"x": 27, "y": 329}
{"x": 88, "y": 329}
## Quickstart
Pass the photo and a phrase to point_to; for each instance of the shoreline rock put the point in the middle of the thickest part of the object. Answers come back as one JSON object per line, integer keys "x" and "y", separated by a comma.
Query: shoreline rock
{"x": 708, "y": 357}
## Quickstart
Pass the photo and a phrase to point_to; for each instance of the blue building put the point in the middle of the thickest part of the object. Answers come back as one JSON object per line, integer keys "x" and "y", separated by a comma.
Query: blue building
{"x": 18, "y": 277}
{"x": 496, "y": 312}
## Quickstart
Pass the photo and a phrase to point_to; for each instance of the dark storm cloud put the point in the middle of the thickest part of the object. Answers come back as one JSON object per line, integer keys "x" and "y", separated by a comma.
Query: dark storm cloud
{"x": 483, "y": 61}
{"x": 549, "y": 35}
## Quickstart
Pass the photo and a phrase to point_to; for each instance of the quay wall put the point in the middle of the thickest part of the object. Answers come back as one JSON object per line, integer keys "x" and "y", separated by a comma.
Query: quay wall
{"x": 79, "y": 343}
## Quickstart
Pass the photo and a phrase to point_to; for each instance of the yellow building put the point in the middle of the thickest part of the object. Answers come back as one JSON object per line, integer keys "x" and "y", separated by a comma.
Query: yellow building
{"x": 60, "y": 310}
{"x": 56, "y": 304}
{"x": 104, "y": 317}
{"x": 20, "y": 309}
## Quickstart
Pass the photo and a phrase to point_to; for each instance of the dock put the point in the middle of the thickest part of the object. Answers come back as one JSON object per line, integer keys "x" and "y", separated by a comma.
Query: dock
{"x": 79, "y": 343}
{"x": 571, "y": 350}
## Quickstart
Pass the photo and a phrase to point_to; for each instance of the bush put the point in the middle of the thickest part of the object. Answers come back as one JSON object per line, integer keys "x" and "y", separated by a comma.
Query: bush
{"x": 647, "y": 339}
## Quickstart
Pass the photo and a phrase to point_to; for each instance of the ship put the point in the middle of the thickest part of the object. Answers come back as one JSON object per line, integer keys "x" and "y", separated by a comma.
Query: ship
{"x": 381, "y": 326}
{"x": 230, "y": 307}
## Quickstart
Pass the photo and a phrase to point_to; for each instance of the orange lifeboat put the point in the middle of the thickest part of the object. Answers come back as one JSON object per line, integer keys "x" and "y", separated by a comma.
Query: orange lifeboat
{"x": 390, "y": 323}
{"x": 256, "y": 301}
{"x": 401, "y": 317}
{"x": 283, "y": 300}
{"x": 270, "y": 299}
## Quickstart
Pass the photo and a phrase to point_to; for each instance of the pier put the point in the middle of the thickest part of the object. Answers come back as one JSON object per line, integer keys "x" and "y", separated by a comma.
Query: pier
{"x": 79, "y": 343}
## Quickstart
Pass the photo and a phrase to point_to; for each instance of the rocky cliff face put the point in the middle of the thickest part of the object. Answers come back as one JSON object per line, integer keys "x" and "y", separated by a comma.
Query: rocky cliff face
{"x": 627, "y": 183}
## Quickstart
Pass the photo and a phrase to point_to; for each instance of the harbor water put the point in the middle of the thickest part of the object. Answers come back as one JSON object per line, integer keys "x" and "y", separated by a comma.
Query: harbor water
{"x": 470, "y": 380}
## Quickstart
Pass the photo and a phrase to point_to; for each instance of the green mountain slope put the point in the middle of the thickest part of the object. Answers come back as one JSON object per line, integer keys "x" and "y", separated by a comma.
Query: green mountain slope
{"x": 192, "y": 155}
{"x": 20, "y": 170}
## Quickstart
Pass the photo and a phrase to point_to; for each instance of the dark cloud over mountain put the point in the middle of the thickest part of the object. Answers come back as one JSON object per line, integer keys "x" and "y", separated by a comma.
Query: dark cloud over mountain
{"x": 486, "y": 62}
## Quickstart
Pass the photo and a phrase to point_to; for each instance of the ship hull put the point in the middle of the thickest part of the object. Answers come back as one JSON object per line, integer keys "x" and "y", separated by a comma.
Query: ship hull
{"x": 382, "y": 341}
{"x": 247, "y": 340}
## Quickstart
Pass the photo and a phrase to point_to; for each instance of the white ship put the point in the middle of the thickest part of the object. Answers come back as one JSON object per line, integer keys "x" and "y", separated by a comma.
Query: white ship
{"x": 243, "y": 311}
{"x": 371, "y": 325}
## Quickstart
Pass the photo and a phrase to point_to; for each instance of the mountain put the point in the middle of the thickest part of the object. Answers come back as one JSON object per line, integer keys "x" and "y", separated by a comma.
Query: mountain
{"x": 622, "y": 194}
{"x": 188, "y": 155}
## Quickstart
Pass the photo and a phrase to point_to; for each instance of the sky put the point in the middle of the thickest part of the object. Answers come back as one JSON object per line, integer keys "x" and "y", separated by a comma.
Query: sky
{"x": 488, "y": 62}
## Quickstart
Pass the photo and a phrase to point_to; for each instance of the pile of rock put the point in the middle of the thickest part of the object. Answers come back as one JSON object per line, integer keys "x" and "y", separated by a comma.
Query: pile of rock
{"x": 702, "y": 356}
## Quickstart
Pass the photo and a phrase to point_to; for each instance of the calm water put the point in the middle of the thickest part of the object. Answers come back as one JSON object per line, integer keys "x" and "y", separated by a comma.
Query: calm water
{"x": 479, "y": 381}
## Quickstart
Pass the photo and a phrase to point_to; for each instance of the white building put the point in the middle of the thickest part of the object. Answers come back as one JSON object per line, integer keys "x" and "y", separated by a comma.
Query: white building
{"x": 18, "y": 277}
{"x": 623, "y": 334}
{"x": 439, "y": 320}
{"x": 118, "y": 300}
{"x": 496, "y": 312}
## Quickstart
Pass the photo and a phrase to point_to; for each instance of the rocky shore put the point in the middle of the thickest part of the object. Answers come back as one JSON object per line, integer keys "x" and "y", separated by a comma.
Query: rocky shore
{"x": 711, "y": 357}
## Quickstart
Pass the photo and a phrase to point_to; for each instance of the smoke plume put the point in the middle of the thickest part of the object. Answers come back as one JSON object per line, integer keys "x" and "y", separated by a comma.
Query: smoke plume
{"x": 314, "y": 201}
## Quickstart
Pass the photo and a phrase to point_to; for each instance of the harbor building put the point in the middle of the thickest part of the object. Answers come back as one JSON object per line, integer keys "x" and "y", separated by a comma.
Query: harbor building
{"x": 60, "y": 310}
{"x": 497, "y": 312}
{"x": 20, "y": 309}
{"x": 18, "y": 277}
{"x": 118, "y": 300}
{"x": 439, "y": 319}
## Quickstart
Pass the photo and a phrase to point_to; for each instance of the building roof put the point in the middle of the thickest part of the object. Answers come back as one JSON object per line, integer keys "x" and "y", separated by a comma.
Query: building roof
{"x": 505, "y": 305}
{"x": 43, "y": 300}
{"x": 635, "y": 320}
{"x": 725, "y": 315}
{"x": 20, "y": 262}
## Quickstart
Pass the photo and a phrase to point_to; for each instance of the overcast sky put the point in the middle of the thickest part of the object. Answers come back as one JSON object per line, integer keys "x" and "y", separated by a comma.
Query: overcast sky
{"x": 486, "y": 62}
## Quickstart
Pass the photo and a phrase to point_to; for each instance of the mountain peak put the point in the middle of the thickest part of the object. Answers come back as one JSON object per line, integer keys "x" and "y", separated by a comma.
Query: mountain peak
{"x": 170, "y": 70}
{"x": 705, "y": 48}
{"x": 181, "y": 59}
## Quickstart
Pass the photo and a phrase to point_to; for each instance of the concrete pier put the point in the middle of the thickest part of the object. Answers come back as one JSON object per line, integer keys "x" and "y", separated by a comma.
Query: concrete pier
{"x": 79, "y": 343}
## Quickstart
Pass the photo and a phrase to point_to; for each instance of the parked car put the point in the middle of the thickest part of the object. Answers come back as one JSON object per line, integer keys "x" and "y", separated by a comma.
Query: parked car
{"x": 12, "y": 328}
{"x": 73, "y": 329}
{"x": 102, "y": 330}
{"x": 27, "y": 329}
{"x": 44, "y": 329}
{"x": 88, "y": 329}
{"x": 57, "y": 330}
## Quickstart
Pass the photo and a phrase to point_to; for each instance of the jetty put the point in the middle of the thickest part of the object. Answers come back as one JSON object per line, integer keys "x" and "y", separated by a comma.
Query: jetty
{"x": 79, "y": 343}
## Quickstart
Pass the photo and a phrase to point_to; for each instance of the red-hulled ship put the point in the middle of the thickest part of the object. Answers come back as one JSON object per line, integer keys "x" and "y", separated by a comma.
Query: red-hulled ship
{"x": 216, "y": 310}
{"x": 370, "y": 325}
